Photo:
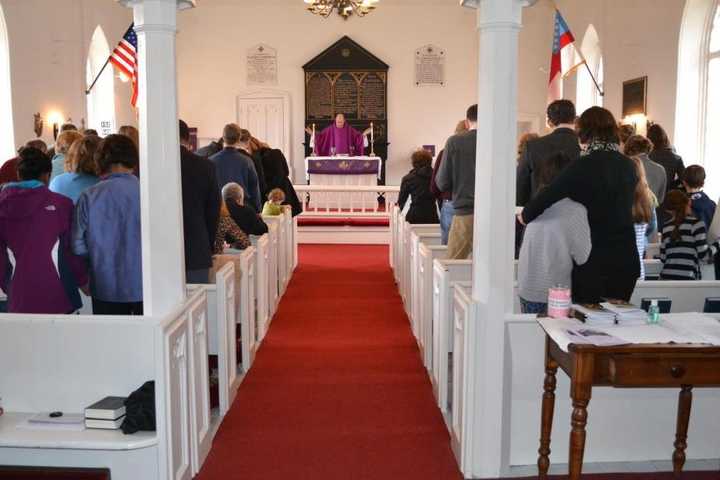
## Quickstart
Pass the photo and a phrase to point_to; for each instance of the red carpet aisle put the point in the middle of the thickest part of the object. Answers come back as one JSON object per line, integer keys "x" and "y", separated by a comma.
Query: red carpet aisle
{"x": 337, "y": 390}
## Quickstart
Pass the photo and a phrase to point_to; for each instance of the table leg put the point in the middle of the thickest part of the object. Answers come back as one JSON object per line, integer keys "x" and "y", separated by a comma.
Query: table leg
{"x": 683, "y": 419}
{"x": 580, "y": 393}
{"x": 577, "y": 437}
{"x": 548, "y": 409}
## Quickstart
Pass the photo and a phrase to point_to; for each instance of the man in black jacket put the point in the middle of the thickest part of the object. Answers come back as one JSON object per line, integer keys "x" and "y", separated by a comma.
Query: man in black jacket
{"x": 201, "y": 209}
{"x": 561, "y": 118}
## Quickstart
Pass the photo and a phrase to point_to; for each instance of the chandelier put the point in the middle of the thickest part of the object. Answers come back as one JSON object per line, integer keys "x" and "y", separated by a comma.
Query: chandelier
{"x": 345, "y": 8}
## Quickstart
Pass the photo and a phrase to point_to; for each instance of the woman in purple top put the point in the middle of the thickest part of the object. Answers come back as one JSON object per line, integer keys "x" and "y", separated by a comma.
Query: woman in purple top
{"x": 38, "y": 272}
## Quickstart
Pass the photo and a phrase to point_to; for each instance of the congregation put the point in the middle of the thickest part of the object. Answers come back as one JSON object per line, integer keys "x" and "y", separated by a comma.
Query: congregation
{"x": 592, "y": 195}
{"x": 70, "y": 215}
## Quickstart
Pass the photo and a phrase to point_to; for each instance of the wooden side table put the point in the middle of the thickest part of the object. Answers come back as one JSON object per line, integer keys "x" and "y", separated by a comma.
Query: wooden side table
{"x": 628, "y": 366}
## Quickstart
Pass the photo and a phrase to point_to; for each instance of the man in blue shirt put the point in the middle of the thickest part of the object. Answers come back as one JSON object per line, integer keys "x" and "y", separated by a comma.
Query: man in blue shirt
{"x": 233, "y": 165}
{"x": 106, "y": 230}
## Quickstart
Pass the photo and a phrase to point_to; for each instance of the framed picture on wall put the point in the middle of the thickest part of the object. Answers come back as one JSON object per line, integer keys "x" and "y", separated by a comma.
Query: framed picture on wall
{"x": 635, "y": 97}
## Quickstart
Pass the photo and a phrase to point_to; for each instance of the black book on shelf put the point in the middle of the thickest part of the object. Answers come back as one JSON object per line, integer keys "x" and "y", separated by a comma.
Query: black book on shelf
{"x": 104, "y": 424}
{"x": 109, "y": 408}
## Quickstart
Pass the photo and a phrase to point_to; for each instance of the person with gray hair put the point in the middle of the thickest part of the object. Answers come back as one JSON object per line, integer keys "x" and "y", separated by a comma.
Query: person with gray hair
{"x": 246, "y": 218}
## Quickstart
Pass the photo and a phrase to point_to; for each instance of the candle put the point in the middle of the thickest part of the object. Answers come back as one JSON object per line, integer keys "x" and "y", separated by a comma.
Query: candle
{"x": 312, "y": 140}
{"x": 372, "y": 139}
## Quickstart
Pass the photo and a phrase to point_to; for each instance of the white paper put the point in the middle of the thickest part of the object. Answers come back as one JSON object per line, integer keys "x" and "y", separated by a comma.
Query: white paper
{"x": 42, "y": 421}
{"x": 691, "y": 328}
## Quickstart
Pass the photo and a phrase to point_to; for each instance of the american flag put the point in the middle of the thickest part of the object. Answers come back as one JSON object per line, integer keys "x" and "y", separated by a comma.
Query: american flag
{"x": 565, "y": 57}
{"x": 124, "y": 57}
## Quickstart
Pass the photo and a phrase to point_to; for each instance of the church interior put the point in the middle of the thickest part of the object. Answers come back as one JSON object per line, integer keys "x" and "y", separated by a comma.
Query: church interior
{"x": 304, "y": 239}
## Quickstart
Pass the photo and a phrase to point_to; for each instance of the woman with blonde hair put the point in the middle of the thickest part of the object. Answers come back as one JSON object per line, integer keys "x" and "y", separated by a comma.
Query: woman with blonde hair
{"x": 62, "y": 145}
{"x": 81, "y": 171}
{"x": 643, "y": 212}
{"x": 130, "y": 132}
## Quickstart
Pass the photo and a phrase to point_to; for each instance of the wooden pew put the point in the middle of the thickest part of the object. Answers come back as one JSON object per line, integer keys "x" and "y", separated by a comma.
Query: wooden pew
{"x": 245, "y": 287}
{"x": 407, "y": 255}
{"x": 446, "y": 273}
{"x": 290, "y": 243}
{"x": 398, "y": 247}
{"x": 262, "y": 290}
{"x": 272, "y": 271}
{"x": 222, "y": 306}
{"x": 418, "y": 237}
{"x": 457, "y": 405}
{"x": 67, "y": 362}
{"x": 686, "y": 296}
{"x": 280, "y": 251}
{"x": 427, "y": 254}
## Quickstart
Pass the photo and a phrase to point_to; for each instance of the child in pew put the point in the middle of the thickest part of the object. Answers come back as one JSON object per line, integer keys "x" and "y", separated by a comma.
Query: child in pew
{"x": 684, "y": 240}
{"x": 553, "y": 243}
{"x": 693, "y": 181}
{"x": 273, "y": 206}
{"x": 643, "y": 212}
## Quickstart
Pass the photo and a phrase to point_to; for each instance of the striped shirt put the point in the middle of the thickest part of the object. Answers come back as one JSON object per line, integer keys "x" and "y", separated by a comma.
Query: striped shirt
{"x": 641, "y": 242}
{"x": 681, "y": 258}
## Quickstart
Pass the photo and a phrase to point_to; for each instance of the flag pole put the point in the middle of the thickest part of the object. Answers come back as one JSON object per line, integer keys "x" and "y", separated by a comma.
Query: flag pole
{"x": 97, "y": 77}
{"x": 600, "y": 90}
{"x": 579, "y": 50}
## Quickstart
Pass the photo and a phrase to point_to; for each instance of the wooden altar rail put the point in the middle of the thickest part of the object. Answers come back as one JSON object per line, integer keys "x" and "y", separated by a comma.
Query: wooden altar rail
{"x": 347, "y": 200}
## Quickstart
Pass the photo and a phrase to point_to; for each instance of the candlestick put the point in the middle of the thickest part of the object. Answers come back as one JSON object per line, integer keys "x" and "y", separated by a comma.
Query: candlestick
{"x": 312, "y": 139}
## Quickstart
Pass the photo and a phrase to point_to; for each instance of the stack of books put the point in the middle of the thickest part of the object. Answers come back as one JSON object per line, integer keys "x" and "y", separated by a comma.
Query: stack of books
{"x": 607, "y": 313}
{"x": 627, "y": 313}
{"x": 108, "y": 413}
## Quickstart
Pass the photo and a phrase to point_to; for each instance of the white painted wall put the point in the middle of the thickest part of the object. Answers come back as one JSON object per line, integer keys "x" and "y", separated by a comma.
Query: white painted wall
{"x": 214, "y": 37}
{"x": 49, "y": 41}
{"x": 638, "y": 37}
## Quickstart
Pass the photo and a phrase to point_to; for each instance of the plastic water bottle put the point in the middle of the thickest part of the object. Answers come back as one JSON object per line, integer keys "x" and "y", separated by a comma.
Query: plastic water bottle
{"x": 653, "y": 313}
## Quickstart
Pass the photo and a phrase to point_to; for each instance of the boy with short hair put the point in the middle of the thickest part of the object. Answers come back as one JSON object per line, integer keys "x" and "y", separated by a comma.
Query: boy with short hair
{"x": 702, "y": 206}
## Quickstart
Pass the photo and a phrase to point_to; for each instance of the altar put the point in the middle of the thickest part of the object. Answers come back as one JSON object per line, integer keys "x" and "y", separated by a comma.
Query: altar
{"x": 343, "y": 170}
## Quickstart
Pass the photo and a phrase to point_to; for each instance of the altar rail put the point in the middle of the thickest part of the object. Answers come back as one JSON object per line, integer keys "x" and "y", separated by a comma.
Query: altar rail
{"x": 347, "y": 200}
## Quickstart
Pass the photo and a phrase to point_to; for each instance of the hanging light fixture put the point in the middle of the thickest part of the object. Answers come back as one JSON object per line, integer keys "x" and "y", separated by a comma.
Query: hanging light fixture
{"x": 344, "y": 8}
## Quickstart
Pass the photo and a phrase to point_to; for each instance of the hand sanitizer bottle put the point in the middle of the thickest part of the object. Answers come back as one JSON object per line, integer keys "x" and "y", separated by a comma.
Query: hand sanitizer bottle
{"x": 654, "y": 313}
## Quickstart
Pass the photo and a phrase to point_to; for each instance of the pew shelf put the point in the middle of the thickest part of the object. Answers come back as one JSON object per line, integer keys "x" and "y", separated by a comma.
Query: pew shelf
{"x": 88, "y": 439}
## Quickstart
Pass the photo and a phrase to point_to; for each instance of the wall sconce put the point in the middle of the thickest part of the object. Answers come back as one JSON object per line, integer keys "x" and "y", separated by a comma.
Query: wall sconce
{"x": 38, "y": 124}
{"x": 55, "y": 119}
{"x": 639, "y": 122}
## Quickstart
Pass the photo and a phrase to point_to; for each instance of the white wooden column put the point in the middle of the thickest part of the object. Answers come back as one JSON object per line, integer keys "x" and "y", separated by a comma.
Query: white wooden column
{"x": 163, "y": 260}
{"x": 487, "y": 419}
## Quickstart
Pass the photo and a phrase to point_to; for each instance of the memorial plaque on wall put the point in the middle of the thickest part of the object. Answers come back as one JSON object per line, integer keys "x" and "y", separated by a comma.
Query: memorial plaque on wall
{"x": 347, "y": 79}
{"x": 262, "y": 65}
{"x": 429, "y": 66}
